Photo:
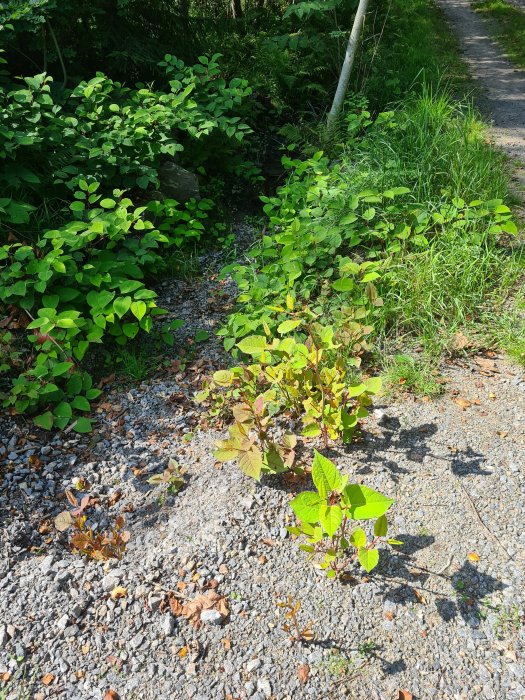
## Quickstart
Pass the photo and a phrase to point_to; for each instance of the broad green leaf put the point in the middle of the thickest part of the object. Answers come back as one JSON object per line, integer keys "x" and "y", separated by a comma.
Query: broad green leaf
{"x": 368, "y": 558}
{"x": 138, "y": 309}
{"x": 223, "y": 377}
{"x": 252, "y": 345}
{"x": 373, "y": 385}
{"x": 330, "y": 518}
{"x": 381, "y": 526}
{"x": 344, "y": 284}
{"x": 365, "y": 503}
{"x": 63, "y": 410}
{"x": 306, "y": 506}
{"x": 83, "y": 425}
{"x": 287, "y": 326}
{"x": 251, "y": 462}
{"x": 107, "y": 203}
{"x": 80, "y": 403}
{"x": 45, "y": 420}
{"x": 325, "y": 475}
{"x": 121, "y": 305}
{"x": 358, "y": 537}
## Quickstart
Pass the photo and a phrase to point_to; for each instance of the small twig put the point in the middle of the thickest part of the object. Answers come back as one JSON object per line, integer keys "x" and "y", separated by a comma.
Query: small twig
{"x": 480, "y": 521}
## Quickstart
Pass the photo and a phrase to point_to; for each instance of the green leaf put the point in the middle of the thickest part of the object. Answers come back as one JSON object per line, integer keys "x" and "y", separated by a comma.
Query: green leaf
{"x": 80, "y": 403}
{"x": 130, "y": 329}
{"x": 373, "y": 385}
{"x": 343, "y": 285}
{"x": 358, "y": 537}
{"x": 107, "y": 203}
{"x": 45, "y": 420}
{"x": 121, "y": 305}
{"x": 223, "y": 377}
{"x": 368, "y": 558}
{"x": 325, "y": 474}
{"x": 287, "y": 326}
{"x": 83, "y": 425}
{"x": 252, "y": 345}
{"x": 331, "y": 518}
{"x": 381, "y": 526}
{"x": 251, "y": 462}
{"x": 63, "y": 410}
{"x": 306, "y": 506}
{"x": 60, "y": 368}
{"x": 138, "y": 309}
{"x": 365, "y": 503}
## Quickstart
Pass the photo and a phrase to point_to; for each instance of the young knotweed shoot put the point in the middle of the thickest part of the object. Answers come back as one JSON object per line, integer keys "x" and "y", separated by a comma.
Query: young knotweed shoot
{"x": 250, "y": 442}
{"x": 325, "y": 519}
{"x": 298, "y": 633}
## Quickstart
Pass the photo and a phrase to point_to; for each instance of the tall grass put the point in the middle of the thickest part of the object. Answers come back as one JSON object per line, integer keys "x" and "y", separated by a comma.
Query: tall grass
{"x": 438, "y": 148}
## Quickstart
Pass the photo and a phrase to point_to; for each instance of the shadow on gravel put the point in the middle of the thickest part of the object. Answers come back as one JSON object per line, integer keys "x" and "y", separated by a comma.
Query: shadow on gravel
{"x": 410, "y": 445}
{"x": 470, "y": 586}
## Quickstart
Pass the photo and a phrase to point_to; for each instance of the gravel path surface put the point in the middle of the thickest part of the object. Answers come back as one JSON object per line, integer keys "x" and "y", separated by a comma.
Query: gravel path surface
{"x": 441, "y": 618}
{"x": 502, "y": 81}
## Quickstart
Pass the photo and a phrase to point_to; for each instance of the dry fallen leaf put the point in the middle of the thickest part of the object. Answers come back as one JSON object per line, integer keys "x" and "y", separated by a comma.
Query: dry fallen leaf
{"x": 210, "y": 601}
{"x": 404, "y": 695}
{"x": 226, "y": 643}
{"x": 389, "y": 615}
{"x": 183, "y": 652}
{"x": 175, "y": 605}
{"x": 48, "y": 678}
{"x": 63, "y": 520}
{"x": 111, "y": 694}
{"x": 303, "y": 672}
{"x": 462, "y": 403}
{"x": 502, "y": 433}
{"x": 5, "y": 676}
{"x": 421, "y": 598}
{"x": 262, "y": 559}
{"x": 473, "y": 556}
{"x": 119, "y": 592}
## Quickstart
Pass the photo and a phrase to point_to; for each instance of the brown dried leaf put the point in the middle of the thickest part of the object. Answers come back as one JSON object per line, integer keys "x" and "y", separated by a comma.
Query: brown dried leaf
{"x": 226, "y": 643}
{"x": 114, "y": 498}
{"x": 462, "y": 403}
{"x": 404, "y": 695}
{"x": 111, "y": 694}
{"x": 48, "y": 678}
{"x": 303, "y": 672}
{"x": 211, "y": 600}
{"x": 175, "y": 605}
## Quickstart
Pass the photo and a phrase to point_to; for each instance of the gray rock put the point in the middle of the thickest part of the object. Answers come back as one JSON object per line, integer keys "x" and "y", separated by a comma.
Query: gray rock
{"x": 178, "y": 183}
{"x": 211, "y": 617}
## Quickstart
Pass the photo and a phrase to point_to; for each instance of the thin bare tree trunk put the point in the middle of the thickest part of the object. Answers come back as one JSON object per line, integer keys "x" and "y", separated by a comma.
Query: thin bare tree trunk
{"x": 236, "y": 9}
{"x": 346, "y": 70}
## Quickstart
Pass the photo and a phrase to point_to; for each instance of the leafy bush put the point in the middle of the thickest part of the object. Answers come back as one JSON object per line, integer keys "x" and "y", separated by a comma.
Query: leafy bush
{"x": 325, "y": 517}
{"x": 73, "y": 273}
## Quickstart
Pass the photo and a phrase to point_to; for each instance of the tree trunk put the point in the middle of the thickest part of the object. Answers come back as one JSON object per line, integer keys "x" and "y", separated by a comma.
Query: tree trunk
{"x": 346, "y": 70}
{"x": 236, "y": 9}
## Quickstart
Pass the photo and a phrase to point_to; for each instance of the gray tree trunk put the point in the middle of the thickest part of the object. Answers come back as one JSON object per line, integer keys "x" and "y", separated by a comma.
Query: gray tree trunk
{"x": 346, "y": 70}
